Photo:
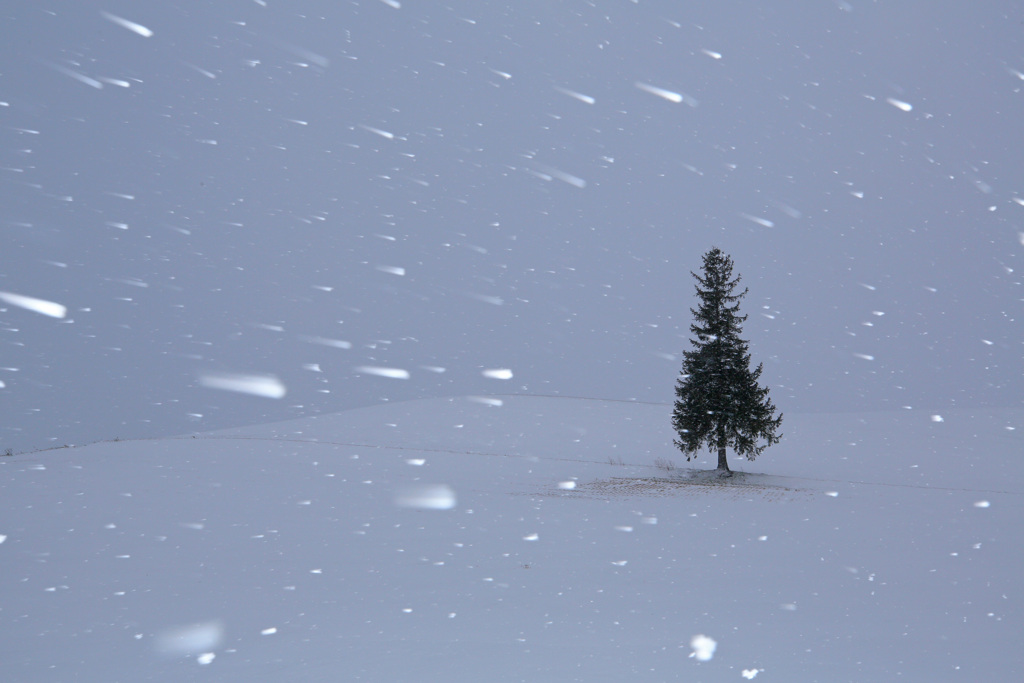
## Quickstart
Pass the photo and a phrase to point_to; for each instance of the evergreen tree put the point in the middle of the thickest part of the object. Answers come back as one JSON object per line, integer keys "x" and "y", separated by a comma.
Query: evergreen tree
{"x": 718, "y": 401}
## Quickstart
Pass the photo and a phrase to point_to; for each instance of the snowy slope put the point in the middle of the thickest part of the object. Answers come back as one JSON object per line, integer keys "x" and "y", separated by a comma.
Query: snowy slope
{"x": 439, "y": 540}
{"x": 302, "y": 190}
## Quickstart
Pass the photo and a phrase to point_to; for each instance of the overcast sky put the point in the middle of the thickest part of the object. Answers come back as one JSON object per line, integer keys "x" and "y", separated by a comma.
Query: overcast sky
{"x": 311, "y": 191}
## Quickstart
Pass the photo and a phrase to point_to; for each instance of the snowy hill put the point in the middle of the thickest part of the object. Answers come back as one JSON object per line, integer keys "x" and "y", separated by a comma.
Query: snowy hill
{"x": 517, "y": 539}
{"x": 302, "y": 190}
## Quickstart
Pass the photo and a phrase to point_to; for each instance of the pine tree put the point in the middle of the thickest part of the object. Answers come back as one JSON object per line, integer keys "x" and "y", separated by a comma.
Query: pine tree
{"x": 718, "y": 401}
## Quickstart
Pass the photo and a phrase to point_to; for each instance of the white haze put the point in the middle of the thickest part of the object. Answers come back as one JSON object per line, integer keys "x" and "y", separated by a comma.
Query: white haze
{"x": 378, "y": 188}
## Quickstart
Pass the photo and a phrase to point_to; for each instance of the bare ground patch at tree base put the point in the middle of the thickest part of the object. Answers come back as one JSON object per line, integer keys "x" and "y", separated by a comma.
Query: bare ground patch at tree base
{"x": 698, "y": 483}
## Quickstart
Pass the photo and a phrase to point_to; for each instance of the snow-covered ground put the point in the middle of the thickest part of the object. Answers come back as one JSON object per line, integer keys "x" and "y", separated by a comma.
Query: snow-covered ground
{"x": 518, "y": 539}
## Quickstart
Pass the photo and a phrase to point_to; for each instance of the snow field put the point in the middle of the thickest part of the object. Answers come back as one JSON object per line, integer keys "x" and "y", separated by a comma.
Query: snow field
{"x": 446, "y": 546}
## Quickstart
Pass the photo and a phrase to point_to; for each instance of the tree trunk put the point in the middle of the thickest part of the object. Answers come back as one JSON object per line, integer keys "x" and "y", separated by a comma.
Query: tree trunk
{"x": 722, "y": 464}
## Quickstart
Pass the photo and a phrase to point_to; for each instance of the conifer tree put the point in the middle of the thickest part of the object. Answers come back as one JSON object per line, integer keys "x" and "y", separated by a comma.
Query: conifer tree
{"x": 718, "y": 401}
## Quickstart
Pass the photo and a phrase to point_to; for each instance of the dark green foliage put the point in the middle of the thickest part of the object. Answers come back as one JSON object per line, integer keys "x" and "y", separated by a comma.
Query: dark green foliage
{"x": 718, "y": 401}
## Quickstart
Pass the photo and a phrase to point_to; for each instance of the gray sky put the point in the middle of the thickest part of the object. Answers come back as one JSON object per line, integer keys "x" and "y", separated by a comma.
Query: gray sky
{"x": 477, "y": 186}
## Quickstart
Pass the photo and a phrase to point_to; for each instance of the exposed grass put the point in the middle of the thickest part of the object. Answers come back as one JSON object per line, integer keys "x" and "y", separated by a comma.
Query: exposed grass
{"x": 665, "y": 464}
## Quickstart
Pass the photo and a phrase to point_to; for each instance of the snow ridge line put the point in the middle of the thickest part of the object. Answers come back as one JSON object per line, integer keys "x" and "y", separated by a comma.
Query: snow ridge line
{"x": 555, "y": 459}
{"x": 587, "y": 398}
{"x": 350, "y": 444}
{"x": 502, "y": 455}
